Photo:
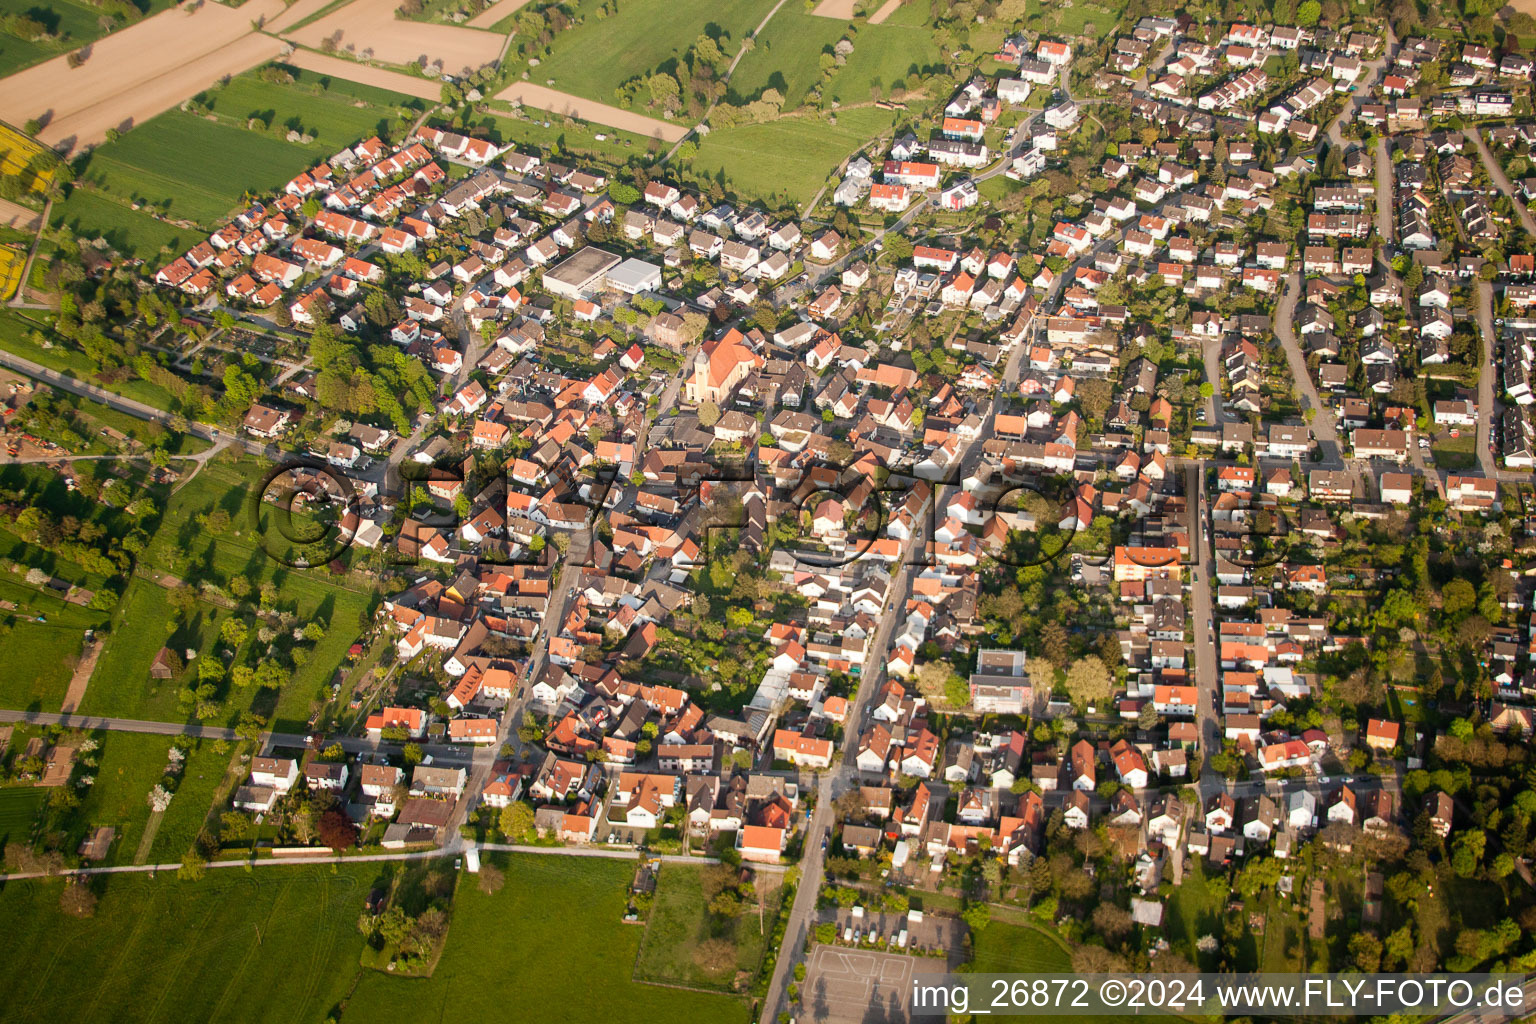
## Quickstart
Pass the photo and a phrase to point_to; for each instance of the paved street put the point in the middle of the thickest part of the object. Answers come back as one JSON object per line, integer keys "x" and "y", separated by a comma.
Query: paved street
{"x": 1488, "y": 407}
{"x": 1322, "y": 424}
{"x": 1500, "y": 179}
{"x": 439, "y": 752}
{"x": 1385, "y": 203}
{"x": 93, "y": 722}
{"x": 1206, "y": 675}
{"x": 814, "y": 276}
{"x": 112, "y": 399}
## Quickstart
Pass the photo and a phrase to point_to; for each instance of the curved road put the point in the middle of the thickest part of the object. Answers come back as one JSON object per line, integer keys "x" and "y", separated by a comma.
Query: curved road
{"x": 811, "y": 280}
{"x": 1323, "y": 430}
{"x": 1487, "y": 404}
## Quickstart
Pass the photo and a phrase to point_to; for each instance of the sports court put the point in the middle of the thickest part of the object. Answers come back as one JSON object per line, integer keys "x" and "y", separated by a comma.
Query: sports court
{"x": 854, "y": 986}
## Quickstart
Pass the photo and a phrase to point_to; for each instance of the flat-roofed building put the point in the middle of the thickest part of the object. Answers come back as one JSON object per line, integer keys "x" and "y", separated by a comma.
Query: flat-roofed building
{"x": 634, "y": 276}
{"x": 580, "y": 275}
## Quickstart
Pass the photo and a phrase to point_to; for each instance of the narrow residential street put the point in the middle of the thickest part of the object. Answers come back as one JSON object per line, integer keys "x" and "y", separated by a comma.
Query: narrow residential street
{"x": 832, "y": 783}
{"x": 1501, "y": 180}
{"x": 814, "y": 276}
{"x": 845, "y": 774}
{"x": 1369, "y": 73}
{"x": 138, "y": 410}
{"x": 1210, "y": 355}
{"x": 1206, "y": 675}
{"x": 1323, "y": 429}
{"x": 93, "y": 722}
{"x": 1385, "y": 204}
{"x": 803, "y": 912}
{"x": 1487, "y": 408}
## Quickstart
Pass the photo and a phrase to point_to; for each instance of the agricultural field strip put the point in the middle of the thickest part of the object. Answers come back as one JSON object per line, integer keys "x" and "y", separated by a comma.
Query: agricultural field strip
{"x": 352, "y": 71}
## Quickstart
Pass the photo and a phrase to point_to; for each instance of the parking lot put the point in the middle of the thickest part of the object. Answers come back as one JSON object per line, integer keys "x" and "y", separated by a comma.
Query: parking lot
{"x": 931, "y": 935}
{"x": 850, "y": 986}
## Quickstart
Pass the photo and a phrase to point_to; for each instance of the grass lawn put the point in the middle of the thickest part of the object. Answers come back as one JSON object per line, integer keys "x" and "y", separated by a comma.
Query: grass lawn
{"x": 343, "y": 88}
{"x": 790, "y": 158}
{"x": 680, "y": 921}
{"x": 551, "y": 946}
{"x": 121, "y": 686}
{"x": 73, "y": 24}
{"x": 276, "y": 945}
{"x": 530, "y": 135}
{"x": 128, "y": 766}
{"x": 1196, "y": 906}
{"x": 200, "y": 778}
{"x": 1002, "y": 948}
{"x": 41, "y": 264}
{"x": 999, "y": 188}
{"x": 1406, "y": 707}
{"x": 884, "y": 55}
{"x": 1067, "y": 22}
{"x": 1455, "y": 453}
{"x": 186, "y": 550}
{"x": 1023, "y": 949}
{"x": 90, "y": 214}
{"x": 39, "y": 657}
{"x": 95, "y": 416}
{"x": 787, "y": 57}
{"x": 99, "y": 425}
{"x": 191, "y": 168}
{"x": 644, "y": 35}
{"x": 319, "y": 105}
{"x": 1282, "y": 929}
{"x": 910, "y": 13}
{"x": 18, "y": 810}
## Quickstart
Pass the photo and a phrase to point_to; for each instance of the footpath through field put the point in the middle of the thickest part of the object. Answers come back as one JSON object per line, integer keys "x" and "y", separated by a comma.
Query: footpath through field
{"x": 295, "y": 13}
{"x": 81, "y": 677}
{"x": 454, "y": 847}
{"x": 494, "y": 13}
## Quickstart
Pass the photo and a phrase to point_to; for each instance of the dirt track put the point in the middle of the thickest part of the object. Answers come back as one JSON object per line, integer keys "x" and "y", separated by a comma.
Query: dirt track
{"x": 352, "y": 71}
{"x": 81, "y": 678}
{"x": 132, "y": 75}
{"x": 494, "y": 13}
{"x": 369, "y": 29}
{"x": 599, "y": 113}
{"x": 14, "y": 215}
{"x": 886, "y": 10}
{"x": 295, "y": 13}
{"x": 842, "y": 10}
